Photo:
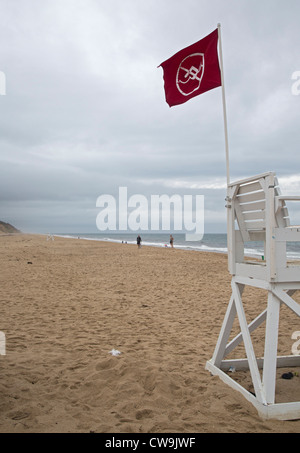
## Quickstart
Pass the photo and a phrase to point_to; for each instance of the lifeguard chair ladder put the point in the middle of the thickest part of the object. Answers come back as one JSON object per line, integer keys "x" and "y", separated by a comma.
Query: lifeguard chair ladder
{"x": 258, "y": 210}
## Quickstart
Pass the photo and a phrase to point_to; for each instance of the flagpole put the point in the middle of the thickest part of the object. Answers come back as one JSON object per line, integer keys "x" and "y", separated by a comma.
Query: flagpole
{"x": 224, "y": 106}
{"x": 229, "y": 213}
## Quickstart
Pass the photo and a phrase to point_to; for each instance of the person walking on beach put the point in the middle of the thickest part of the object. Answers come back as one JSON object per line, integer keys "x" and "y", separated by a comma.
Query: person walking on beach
{"x": 138, "y": 241}
{"x": 171, "y": 240}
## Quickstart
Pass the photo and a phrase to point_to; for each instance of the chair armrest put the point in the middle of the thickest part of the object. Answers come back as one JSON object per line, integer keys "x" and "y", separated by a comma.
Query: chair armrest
{"x": 280, "y": 202}
{"x": 289, "y": 197}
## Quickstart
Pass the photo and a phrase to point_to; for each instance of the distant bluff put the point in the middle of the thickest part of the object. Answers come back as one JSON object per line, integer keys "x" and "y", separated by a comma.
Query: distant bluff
{"x": 7, "y": 228}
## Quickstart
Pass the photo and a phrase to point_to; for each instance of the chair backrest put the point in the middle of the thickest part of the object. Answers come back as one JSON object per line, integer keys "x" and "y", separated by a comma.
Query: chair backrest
{"x": 254, "y": 213}
{"x": 250, "y": 205}
{"x": 250, "y": 208}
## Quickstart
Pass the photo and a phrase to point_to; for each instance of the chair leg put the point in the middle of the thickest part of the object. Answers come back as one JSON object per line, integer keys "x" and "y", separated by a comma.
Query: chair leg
{"x": 271, "y": 341}
{"x": 248, "y": 343}
{"x": 224, "y": 334}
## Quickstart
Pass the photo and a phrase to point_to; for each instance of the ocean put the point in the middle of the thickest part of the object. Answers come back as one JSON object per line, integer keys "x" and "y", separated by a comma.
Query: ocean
{"x": 210, "y": 243}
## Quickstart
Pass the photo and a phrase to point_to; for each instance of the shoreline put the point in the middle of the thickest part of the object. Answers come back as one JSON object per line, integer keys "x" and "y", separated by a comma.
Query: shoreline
{"x": 65, "y": 305}
{"x": 118, "y": 241}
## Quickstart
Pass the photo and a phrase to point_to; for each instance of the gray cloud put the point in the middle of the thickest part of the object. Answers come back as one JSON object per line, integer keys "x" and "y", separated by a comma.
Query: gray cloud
{"x": 84, "y": 110}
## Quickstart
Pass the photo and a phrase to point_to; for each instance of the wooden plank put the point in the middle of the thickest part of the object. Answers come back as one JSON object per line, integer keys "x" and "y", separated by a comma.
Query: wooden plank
{"x": 256, "y": 380}
{"x": 248, "y": 270}
{"x": 253, "y": 196}
{"x": 251, "y": 179}
{"x": 241, "y": 222}
{"x": 271, "y": 341}
{"x": 255, "y": 225}
{"x": 242, "y": 364}
{"x": 250, "y": 281}
{"x": 234, "y": 385}
{"x": 270, "y": 225}
{"x": 224, "y": 333}
{"x": 280, "y": 411}
{"x": 288, "y": 360}
{"x": 289, "y": 197}
{"x": 239, "y": 338}
{"x": 281, "y": 213}
{"x": 231, "y": 232}
{"x": 254, "y": 215}
{"x": 288, "y": 275}
{"x": 239, "y": 247}
{"x": 251, "y": 187}
{"x": 239, "y": 364}
{"x": 285, "y": 298}
{"x": 258, "y": 205}
{"x": 259, "y": 236}
{"x": 284, "y": 411}
{"x": 287, "y": 234}
{"x": 277, "y": 187}
{"x": 280, "y": 251}
{"x": 290, "y": 287}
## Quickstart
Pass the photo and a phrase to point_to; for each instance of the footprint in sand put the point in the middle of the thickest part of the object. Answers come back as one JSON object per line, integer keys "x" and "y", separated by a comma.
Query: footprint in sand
{"x": 144, "y": 413}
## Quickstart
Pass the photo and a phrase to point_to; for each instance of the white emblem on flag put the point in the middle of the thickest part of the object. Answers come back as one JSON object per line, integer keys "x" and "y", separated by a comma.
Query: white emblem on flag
{"x": 190, "y": 73}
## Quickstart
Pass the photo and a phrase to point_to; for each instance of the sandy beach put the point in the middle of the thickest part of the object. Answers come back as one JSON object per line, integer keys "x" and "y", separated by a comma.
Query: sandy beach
{"x": 65, "y": 304}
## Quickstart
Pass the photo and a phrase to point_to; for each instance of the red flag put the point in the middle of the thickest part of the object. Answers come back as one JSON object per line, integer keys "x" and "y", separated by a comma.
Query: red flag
{"x": 192, "y": 70}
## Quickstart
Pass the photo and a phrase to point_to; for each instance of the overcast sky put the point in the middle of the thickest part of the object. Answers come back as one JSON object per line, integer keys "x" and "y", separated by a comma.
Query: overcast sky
{"x": 84, "y": 110}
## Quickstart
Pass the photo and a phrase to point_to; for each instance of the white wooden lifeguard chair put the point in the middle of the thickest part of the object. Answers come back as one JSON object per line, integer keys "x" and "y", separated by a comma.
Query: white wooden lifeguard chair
{"x": 257, "y": 212}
